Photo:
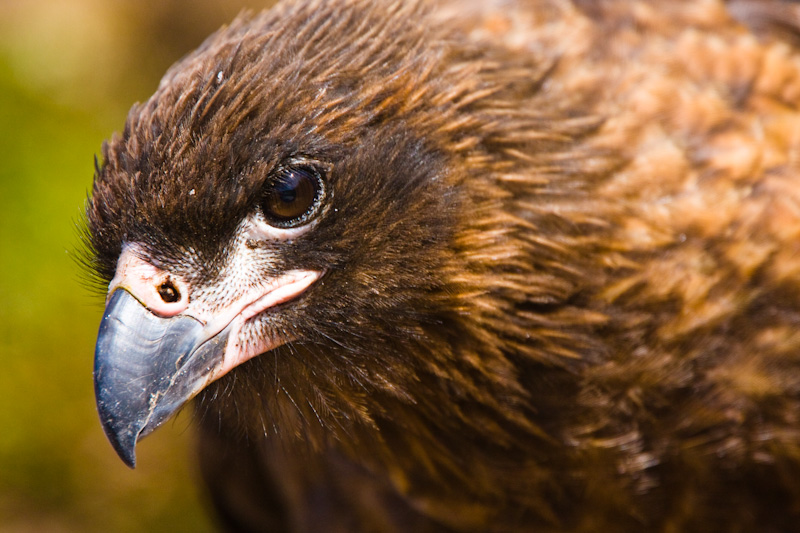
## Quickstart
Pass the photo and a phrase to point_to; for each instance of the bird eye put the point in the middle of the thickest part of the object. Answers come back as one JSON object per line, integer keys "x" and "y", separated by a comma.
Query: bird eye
{"x": 292, "y": 196}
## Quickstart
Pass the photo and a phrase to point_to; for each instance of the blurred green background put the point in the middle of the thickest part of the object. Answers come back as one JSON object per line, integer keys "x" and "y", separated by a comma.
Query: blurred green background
{"x": 69, "y": 70}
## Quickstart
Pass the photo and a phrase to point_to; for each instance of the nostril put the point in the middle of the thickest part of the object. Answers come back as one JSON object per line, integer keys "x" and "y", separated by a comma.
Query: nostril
{"x": 169, "y": 292}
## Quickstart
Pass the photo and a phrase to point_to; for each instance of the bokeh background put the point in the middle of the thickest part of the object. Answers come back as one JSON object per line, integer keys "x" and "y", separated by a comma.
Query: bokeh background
{"x": 69, "y": 71}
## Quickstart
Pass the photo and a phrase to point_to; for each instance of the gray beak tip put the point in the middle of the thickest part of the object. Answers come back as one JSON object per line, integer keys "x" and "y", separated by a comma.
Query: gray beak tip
{"x": 123, "y": 442}
{"x": 120, "y": 425}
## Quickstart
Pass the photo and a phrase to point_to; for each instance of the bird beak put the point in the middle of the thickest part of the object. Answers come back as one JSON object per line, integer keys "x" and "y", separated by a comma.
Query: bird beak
{"x": 146, "y": 367}
{"x": 159, "y": 344}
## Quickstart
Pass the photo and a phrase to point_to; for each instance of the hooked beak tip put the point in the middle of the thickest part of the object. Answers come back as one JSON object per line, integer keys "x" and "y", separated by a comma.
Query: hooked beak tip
{"x": 125, "y": 450}
{"x": 122, "y": 433}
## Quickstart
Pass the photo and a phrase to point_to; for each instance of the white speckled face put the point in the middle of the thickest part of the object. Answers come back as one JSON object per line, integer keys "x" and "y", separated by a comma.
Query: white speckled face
{"x": 238, "y": 297}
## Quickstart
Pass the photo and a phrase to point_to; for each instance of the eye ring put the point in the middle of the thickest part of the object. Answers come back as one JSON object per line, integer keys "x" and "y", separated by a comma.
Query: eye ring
{"x": 292, "y": 196}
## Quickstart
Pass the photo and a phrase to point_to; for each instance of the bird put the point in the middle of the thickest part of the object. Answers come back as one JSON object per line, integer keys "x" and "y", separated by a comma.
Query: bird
{"x": 493, "y": 265}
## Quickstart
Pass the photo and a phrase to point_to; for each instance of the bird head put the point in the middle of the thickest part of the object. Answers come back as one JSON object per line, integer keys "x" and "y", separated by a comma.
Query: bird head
{"x": 278, "y": 190}
{"x": 304, "y": 217}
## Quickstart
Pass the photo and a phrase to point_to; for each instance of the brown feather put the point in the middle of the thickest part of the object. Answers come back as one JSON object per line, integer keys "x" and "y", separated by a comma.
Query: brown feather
{"x": 564, "y": 271}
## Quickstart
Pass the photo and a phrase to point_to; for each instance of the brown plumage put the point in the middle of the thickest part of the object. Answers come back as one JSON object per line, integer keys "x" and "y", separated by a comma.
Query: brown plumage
{"x": 558, "y": 248}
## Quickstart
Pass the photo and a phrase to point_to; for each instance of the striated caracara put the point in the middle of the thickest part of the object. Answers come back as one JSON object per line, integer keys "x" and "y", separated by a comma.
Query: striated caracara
{"x": 467, "y": 266}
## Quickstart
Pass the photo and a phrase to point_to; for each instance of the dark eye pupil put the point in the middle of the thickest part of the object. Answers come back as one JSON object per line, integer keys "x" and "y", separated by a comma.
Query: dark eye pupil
{"x": 287, "y": 196}
{"x": 291, "y": 197}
